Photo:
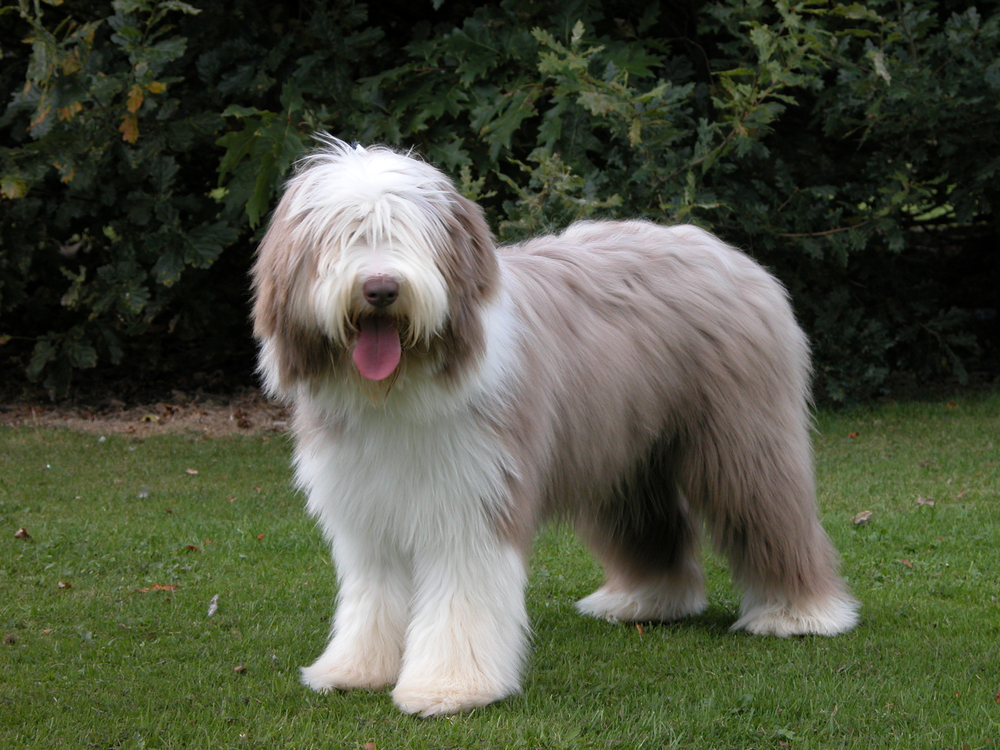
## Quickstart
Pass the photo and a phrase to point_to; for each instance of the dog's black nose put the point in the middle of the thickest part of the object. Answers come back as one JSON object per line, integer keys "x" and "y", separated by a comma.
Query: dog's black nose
{"x": 380, "y": 291}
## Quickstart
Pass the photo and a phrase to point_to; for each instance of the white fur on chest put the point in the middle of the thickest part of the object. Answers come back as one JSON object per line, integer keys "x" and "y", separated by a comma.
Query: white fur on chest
{"x": 407, "y": 483}
{"x": 423, "y": 467}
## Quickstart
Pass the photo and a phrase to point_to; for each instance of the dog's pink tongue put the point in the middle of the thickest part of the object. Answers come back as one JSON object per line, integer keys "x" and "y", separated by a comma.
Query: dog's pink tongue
{"x": 378, "y": 350}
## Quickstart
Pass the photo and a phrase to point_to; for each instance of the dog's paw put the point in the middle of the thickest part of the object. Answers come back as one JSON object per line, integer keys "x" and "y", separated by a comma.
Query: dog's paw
{"x": 647, "y": 603}
{"x": 327, "y": 674}
{"x": 429, "y": 699}
{"x": 831, "y": 616}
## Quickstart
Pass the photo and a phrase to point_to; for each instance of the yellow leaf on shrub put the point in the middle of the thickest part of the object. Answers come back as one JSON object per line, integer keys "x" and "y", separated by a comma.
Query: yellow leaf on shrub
{"x": 66, "y": 171}
{"x": 41, "y": 113}
{"x": 13, "y": 187}
{"x": 66, "y": 113}
{"x": 129, "y": 128}
{"x": 156, "y": 87}
{"x": 135, "y": 96}
{"x": 72, "y": 63}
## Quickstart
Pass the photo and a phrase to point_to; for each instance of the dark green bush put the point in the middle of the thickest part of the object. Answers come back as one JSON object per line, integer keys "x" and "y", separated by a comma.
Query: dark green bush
{"x": 852, "y": 148}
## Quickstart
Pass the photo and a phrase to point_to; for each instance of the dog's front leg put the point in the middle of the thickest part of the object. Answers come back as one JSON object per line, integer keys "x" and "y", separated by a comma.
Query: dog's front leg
{"x": 366, "y": 642}
{"x": 468, "y": 632}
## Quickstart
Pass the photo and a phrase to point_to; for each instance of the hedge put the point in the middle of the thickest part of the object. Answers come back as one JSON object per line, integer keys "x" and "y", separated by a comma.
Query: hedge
{"x": 853, "y": 148}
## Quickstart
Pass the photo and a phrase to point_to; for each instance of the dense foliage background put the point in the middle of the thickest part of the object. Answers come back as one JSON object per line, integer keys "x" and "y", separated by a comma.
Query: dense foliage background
{"x": 853, "y": 148}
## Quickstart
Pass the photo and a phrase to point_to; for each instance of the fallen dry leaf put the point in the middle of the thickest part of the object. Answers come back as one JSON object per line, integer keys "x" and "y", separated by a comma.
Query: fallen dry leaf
{"x": 240, "y": 669}
{"x": 369, "y": 746}
{"x": 928, "y": 501}
{"x": 638, "y": 627}
{"x": 242, "y": 420}
{"x": 852, "y": 434}
{"x": 193, "y": 548}
{"x": 158, "y": 587}
{"x": 192, "y": 472}
{"x": 65, "y": 585}
{"x": 861, "y": 518}
{"x": 213, "y": 606}
{"x": 260, "y": 537}
{"x": 22, "y": 533}
{"x": 907, "y": 563}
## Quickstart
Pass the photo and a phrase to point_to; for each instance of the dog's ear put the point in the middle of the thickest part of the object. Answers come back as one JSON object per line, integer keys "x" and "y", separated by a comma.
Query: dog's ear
{"x": 273, "y": 271}
{"x": 472, "y": 272}
{"x": 266, "y": 284}
{"x": 475, "y": 256}
{"x": 281, "y": 274}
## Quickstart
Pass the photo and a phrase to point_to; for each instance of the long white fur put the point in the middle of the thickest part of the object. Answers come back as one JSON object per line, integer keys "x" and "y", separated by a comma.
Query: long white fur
{"x": 429, "y": 485}
{"x": 421, "y": 569}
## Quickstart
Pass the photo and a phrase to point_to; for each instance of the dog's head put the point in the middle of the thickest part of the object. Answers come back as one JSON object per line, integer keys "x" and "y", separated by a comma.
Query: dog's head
{"x": 372, "y": 264}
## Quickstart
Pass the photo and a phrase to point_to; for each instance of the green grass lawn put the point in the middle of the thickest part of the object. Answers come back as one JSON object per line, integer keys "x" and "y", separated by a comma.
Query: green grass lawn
{"x": 100, "y": 651}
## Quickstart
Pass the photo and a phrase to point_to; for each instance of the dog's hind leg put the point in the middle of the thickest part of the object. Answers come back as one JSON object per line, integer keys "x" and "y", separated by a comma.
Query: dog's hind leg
{"x": 647, "y": 542}
{"x": 755, "y": 489}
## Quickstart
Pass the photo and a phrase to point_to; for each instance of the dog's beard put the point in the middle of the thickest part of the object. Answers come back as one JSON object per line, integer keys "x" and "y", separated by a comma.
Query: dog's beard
{"x": 377, "y": 391}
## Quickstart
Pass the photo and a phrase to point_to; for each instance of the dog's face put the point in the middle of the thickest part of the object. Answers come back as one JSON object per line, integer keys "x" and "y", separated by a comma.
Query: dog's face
{"x": 372, "y": 261}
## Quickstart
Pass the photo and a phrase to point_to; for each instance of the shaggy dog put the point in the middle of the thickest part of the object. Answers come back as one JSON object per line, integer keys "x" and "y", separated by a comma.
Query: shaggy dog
{"x": 450, "y": 396}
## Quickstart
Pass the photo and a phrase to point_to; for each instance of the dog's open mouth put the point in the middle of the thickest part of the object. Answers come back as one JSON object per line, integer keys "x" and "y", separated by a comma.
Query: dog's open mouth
{"x": 378, "y": 348}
